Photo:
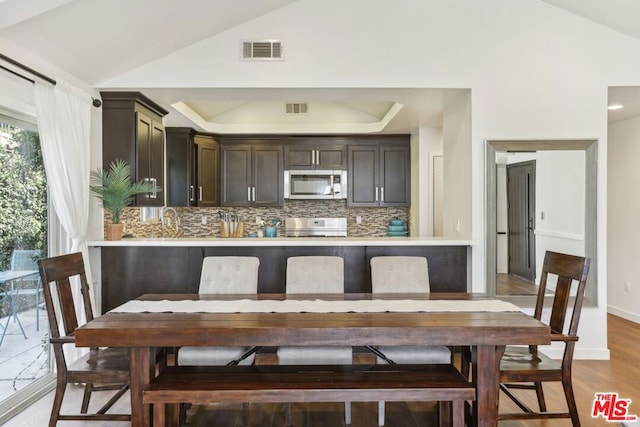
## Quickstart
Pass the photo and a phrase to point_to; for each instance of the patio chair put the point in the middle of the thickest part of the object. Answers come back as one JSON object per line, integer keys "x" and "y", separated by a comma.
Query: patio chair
{"x": 101, "y": 369}
{"x": 26, "y": 260}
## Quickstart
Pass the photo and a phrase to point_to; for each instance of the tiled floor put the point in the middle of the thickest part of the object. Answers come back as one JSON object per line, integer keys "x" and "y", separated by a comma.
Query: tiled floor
{"x": 23, "y": 360}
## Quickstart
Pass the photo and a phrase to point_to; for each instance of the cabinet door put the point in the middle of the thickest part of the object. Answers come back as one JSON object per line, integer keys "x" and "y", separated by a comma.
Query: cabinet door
{"x": 180, "y": 153}
{"x": 363, "y": 175}
{"x": 150, "y": 158}
{"x": 235, "y": 166}
{"x": 299, "y": 156}
{"x": 331, "y": 157}
{"x": 268, "y": 175}
{"x": 395, "y": 175}
{"x": 208, "y": 155}
{"x": 316, "y": 156}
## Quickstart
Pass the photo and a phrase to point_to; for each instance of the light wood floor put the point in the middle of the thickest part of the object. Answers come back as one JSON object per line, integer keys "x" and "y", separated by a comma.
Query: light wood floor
{"x": 620, "y": 374}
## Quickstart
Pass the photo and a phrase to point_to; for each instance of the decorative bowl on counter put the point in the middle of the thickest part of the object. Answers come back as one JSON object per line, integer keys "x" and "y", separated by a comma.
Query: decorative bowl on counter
{"x": 397, "y": 233}
{"x": 397, "y": 228}
{"x": 396, "y": 222}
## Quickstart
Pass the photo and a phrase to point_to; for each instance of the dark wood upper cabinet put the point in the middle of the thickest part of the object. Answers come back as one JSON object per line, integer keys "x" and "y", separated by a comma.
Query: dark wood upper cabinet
{"x": 132, "y": 130}
{"x": 252, "y": 174}
{"x": 316, "y": 154}
{"x": 207, "y": 184}
{"x": 193, "y": 168}
{"x": 379, "y": 174}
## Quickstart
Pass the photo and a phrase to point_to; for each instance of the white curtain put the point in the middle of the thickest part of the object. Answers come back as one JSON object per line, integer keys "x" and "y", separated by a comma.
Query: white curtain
{"x": 64, "y": 122}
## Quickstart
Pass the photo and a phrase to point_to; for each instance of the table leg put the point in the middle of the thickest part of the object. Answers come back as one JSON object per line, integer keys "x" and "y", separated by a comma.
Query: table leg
{"x": 486, "y": 373}
{"x": 142, "y": 370}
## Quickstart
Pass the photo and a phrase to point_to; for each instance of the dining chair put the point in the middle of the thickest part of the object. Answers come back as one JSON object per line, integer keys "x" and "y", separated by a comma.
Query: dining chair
{"x": 309, "y": 275}
{"x": 526, "y": 367}
{"x": 224, "y": 275}
{"x": 404, "y": 274}
{"x": 100, "y": 369}
{"x": 24, "y": 260}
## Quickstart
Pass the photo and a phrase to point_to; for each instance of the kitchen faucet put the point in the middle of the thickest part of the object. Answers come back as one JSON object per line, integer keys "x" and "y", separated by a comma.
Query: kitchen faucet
{"x": 175, "y": 218}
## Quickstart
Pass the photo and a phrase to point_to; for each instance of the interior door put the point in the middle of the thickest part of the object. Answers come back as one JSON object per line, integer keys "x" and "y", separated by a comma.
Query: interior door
{"x": 521, "y": 193}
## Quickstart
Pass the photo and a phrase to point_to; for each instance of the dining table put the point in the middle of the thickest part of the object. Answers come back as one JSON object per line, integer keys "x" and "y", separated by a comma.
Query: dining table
{"x": 155, "y": 321}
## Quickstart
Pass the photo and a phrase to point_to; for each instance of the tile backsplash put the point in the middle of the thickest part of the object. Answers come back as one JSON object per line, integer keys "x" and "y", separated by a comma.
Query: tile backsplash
{"x": 374, "y": 220}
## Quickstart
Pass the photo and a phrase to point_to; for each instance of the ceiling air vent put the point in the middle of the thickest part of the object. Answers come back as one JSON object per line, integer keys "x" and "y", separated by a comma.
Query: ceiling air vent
{"x": 296, "y": 108}
{"x": 262, "y": 50}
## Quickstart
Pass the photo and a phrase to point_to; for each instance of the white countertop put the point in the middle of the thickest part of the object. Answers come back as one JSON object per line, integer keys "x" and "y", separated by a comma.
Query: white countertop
{"x": 284, "y": 241}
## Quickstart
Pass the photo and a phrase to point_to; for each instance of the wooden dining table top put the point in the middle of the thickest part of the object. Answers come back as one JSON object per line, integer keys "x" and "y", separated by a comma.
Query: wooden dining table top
{"x": 169, "y": 329}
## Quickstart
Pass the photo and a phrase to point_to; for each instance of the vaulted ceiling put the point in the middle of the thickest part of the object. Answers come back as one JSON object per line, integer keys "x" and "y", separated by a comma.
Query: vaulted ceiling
{"x": 97, "y": 40}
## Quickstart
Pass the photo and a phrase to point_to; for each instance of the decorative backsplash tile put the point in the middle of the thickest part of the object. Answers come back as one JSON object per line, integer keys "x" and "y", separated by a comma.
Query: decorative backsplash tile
{"x": 374, "y": 220}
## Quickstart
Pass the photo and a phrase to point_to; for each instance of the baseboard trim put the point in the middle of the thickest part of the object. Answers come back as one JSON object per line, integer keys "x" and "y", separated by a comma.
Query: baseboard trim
{"x": 625, "y": 314}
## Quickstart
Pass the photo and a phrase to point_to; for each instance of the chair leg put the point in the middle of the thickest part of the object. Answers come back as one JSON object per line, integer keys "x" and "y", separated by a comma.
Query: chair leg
{"x": 444, "y": 414}
{"x": 347, "y": 413}
{"x": 61, "y": 387}
{"x": 85, "y": 398}
{"x": 571, "y": 402}
{"x": 381, "y": 410}
{"x": 287, "y": 414}
{"x": 245, "y": 413}
{"x": 540, "y": 394}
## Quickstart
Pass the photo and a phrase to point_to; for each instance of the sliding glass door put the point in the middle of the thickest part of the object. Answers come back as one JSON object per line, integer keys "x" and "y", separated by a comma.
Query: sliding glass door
{"x": 25, "y": 360}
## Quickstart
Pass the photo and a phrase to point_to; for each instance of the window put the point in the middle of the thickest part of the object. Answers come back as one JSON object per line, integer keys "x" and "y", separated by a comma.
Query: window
{"x": 25, "y": 362}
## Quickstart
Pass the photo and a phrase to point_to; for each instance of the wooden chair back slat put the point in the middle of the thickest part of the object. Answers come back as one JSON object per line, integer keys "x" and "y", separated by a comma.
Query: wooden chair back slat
{"x": 57, "y": 272}
{"x": 571, "y": 272}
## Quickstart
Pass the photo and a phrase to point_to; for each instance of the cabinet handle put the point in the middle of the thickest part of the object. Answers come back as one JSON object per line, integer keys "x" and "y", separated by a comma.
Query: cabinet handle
{"x": 254, "y": 193}
{"x": 382, "y": 194}
{"x": 155, "y": 188}
{"x": 248, "y": 194}
{"x": 200, "y": 193}
{"x": 313, "y": 157}
{"x": 376, "y": 194}
{"x": 317, "y": 157}
{"x": 191, "y": 193}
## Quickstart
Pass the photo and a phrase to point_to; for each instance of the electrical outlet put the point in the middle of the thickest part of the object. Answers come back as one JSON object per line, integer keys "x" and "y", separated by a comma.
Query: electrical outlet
{"x": 627, "y": 286}
{"x": 457, "y": 226}
{"x": 358, "y": 219}
{"x": 258, "y": 219}
{"x": 204, "y": 220}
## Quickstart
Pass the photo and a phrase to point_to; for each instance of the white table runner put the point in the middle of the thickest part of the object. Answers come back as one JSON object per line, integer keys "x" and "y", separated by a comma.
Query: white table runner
{"x": 313, "y": 306}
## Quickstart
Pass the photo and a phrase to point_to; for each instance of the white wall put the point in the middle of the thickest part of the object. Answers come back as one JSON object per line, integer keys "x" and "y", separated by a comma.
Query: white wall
{"x": 534, "y": 70}
{"x": 456, "y": 151}
{"x": 624, "y": 218}
{"x": 425, "y": 143}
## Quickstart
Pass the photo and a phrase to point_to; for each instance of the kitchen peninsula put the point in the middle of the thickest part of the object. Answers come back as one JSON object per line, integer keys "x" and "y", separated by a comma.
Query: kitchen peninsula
{"x": 132, "y": 267}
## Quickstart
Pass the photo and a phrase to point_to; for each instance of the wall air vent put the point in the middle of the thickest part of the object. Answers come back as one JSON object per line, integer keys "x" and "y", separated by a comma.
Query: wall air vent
{"x": 297, "y": 108}
{"x": 262, "y": 50}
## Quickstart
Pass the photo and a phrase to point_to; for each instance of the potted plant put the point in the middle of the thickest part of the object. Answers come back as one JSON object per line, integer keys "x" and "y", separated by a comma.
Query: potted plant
{"x": 116, "y": 190}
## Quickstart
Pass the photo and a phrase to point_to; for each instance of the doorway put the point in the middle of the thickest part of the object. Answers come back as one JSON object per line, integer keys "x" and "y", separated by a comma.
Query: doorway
{"x": 568, "y": 242}
{"x": 521, "y": 200}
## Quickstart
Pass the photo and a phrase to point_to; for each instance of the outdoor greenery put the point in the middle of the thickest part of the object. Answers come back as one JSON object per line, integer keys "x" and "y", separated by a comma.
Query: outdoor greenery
{"x": 23, "y": 193}
{"x": 115, "y": 189}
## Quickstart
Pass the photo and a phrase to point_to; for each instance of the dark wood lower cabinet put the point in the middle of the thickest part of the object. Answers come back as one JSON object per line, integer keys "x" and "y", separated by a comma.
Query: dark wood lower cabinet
{"x": 130, "y": 271}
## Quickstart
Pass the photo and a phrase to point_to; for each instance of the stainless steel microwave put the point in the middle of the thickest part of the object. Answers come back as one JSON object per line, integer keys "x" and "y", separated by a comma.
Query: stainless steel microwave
{"x": 315, "y": 184}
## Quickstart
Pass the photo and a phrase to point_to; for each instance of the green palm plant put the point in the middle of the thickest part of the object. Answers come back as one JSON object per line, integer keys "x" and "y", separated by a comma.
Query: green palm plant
{"x": 115, "y": 189}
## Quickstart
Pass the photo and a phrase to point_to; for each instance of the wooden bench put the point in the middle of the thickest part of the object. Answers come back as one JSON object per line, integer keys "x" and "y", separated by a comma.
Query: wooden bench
{"x": 277, "y": 383}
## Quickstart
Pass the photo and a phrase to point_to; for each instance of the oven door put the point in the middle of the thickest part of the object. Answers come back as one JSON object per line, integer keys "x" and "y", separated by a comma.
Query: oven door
{"x": 315, "y": 184}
